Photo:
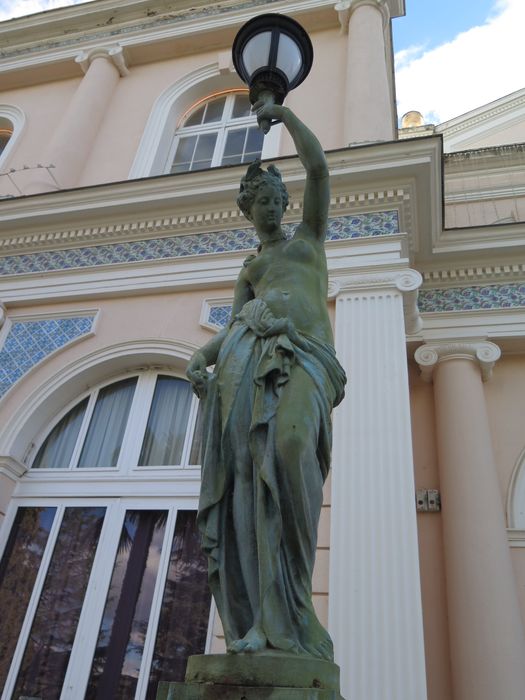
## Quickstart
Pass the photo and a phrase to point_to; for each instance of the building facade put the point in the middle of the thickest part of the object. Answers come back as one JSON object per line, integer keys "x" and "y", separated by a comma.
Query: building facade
{"x": 123, "y": 136}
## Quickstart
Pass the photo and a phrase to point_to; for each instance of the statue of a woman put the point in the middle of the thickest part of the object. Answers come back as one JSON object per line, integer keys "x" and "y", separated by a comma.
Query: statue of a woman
{"x": 267, "y": 429}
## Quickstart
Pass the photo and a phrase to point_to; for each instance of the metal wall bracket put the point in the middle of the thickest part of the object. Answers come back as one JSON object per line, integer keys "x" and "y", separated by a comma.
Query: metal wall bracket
{"x": 428, "y": 501}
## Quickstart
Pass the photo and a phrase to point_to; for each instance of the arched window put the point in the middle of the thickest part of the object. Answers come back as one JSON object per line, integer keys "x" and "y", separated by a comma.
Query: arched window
{"x": 103, "y": 587}
{"x": 6, "y": 132}
{"x": 218, "y": 130}
{"x": 12, "y": 121}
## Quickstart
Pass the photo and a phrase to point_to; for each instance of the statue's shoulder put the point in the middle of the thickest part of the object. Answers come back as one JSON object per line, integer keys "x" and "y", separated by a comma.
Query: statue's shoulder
{"x": 248, "y": 260}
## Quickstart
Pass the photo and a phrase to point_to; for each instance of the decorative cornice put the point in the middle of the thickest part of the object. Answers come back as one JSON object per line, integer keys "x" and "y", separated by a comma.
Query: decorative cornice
{"x": 114, "y": 54}
{"x": 462, "y": 124}
{"x": 481, "y": 272}
{"x": 485, "y": 353}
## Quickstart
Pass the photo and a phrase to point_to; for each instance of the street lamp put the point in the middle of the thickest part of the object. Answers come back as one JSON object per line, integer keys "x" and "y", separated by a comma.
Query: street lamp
{"x": 273, "y": 54}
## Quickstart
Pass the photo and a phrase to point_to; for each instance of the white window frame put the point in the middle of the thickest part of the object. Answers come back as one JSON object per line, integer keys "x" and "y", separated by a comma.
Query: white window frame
{"x": 133, "y": 434}
{"x": 221, "y": 127}
{"x": 79, "y": 666}
{"x": 172, "y": 104}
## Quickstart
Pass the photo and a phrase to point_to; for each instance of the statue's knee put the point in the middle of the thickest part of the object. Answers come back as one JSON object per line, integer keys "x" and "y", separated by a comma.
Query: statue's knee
{"x": 292, "y": 444}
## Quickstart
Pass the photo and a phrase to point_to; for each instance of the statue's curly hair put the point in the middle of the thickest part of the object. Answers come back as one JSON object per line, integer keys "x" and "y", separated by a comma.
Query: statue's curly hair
{"x": 257, "y": 177}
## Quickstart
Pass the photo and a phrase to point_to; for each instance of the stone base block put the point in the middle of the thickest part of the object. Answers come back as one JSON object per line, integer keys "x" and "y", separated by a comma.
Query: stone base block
{"x": 265, "y": 676}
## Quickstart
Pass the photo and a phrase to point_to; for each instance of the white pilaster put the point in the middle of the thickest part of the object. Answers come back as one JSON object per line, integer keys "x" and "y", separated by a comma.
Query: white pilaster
{"x": 375, "y": 598}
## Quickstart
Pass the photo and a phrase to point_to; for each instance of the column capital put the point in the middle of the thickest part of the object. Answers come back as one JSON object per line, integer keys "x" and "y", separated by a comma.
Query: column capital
{"x": 405, "y": 281}
{"x": 114, "y": 54}
{"x": 345, "y": 8}
{"x": 485, "y": 353}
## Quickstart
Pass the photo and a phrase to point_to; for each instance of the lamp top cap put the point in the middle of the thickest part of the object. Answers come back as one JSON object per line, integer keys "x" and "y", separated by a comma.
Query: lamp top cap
{"x": 274, "y": 23}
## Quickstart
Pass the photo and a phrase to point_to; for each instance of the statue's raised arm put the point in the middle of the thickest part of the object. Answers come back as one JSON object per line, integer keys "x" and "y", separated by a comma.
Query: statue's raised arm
{"x": 267, "y": 424}
{"x": 317, "y": 189}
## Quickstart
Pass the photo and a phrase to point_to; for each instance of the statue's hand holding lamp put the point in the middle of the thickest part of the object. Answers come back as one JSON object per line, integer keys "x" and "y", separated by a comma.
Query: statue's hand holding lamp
{"x": 272, "y": 54}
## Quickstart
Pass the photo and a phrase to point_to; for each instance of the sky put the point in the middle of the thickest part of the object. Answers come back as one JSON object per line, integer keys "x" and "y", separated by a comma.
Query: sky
{"x": 451, "y": 55}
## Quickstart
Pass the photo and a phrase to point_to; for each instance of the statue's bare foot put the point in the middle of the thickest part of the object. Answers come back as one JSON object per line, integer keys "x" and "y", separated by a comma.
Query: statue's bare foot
{"x": 254, "y": 640}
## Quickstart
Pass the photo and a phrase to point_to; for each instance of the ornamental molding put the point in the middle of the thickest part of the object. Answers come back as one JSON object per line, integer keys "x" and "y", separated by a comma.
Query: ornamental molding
{"x": 211, "y": 221}
{"x": 12, "y": 468}
{"x": 31, "y": 41}
{"x": 485, "y": 353}
{"x": 481, "y": 272}
{"x": 487, "y": 115}
{"x": 114, "y": 54}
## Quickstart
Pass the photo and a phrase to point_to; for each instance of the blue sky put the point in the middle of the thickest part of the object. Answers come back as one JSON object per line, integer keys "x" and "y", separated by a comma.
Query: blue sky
{"x": 451, "y": 55}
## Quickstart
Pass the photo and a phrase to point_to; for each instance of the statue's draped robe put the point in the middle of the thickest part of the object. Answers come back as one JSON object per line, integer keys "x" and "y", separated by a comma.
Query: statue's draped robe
{"x": 261, "y": 563}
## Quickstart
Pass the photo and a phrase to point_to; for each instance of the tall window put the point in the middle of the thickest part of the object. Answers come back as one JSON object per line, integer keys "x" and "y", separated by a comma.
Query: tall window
{"x": 220, "y": 130}
{"x": 103, "y": 587}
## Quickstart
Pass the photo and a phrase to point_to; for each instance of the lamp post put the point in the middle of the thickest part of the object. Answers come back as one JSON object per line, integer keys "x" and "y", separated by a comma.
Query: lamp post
{"x": 272, "y": 54}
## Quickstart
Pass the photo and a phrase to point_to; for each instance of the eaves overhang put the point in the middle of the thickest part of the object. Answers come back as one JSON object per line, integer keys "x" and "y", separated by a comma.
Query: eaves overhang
{"x": 43, "y": 47}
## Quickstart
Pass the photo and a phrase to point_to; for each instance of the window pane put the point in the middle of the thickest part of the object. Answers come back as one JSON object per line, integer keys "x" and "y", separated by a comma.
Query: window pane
{"x": 120, "y": 644}
{"x": 47, "y": 652}
{"x": 196, "y": 444}
{"x": 167, "y": 423}
{"x": 214, "y": 110}
{"x": 106, "y": 429}
{"x": 184, "y": 154}
{"x": 235, "y": 142}
{"x": 185, "y": 611}
{"x": 241, "y": 106}
{"x": 195, "y": 117}
{"x": 18, "y": 570}
{"x": 204, "y": 151}
{"x": 58, "y": 447}
{"x": 254, "y": 144}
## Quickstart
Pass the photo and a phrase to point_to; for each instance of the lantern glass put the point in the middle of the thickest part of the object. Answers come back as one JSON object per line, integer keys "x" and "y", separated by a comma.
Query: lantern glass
{"x": 289, "y": 58}
{"x": 256, "y": 53}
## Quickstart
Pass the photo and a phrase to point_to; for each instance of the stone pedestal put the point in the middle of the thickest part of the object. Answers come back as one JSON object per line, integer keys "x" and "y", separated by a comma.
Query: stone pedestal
{"x": 255, "y": 677}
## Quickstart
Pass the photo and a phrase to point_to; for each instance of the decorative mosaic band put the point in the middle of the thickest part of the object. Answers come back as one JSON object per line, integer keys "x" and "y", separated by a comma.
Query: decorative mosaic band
{"x": 28, "y": 342}
{"x": 340, "y": 228}
{"x": 503, "y": 296}
{"x": 494, "y": 296}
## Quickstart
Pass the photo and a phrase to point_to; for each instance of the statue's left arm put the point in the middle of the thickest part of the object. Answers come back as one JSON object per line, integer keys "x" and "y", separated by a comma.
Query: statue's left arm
{"x": 317, "y": 188}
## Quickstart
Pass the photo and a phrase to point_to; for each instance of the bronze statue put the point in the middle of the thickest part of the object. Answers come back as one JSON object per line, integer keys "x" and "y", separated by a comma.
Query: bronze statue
{"x": 267, "y": 426}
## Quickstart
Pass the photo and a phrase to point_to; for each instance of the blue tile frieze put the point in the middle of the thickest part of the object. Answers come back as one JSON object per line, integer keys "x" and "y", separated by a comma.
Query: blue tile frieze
{"x": 29, "y": 342}
{"x": 340, "y": 228}
{"x": 494, "y": 296}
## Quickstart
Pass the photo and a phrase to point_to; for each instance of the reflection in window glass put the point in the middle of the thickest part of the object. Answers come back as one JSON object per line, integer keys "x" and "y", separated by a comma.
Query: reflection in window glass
{"x": 18, "y": 570}
{"x": 118, "y": 654}
{"x": 47, "y": 652}
{"x": 58, "y": 447}
{"x": 185, "y": 611}
{"x": 167, "y": 423}
{"x": 107, "y": 426}
{"x": 241, "y": 106}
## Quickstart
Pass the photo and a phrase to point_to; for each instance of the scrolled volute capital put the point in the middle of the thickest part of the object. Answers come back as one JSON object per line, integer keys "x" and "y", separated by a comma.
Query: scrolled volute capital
{"x": 345, "y": 8}
{"x": 114, "y": 54}
{"x": 485, "y": 353}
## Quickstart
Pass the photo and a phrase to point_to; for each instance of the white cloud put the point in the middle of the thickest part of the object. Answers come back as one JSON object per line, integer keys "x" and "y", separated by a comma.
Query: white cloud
{"x": 20, "y": 8}
{"x": 478, "y": 66}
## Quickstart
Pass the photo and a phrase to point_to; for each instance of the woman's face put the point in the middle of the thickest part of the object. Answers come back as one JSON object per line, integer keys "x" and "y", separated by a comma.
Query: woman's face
{"x": 267, "y": 209}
